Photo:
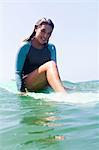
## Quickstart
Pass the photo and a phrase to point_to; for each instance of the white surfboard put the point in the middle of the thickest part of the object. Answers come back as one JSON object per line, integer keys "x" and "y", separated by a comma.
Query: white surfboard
{"x": 71, "y": 98}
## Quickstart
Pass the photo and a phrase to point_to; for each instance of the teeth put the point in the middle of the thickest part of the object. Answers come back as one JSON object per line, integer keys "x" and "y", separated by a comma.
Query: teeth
{"x": 43, "y": 39}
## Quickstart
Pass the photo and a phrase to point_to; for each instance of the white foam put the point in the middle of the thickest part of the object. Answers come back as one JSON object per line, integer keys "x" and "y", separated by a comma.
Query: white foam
{"x": 70, "y": 98}
{"x": 73, "y": 98}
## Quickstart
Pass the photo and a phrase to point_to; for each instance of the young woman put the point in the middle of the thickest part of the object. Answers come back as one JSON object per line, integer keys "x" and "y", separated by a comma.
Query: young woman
{"x": 36, "y": 66}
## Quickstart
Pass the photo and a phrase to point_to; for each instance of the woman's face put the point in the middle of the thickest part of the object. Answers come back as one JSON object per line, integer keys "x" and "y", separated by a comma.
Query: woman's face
{"x": 43, "y": 33}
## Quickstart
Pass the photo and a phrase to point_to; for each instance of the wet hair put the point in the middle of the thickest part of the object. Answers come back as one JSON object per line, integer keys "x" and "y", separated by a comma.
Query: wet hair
{"x": 38, "y": 23}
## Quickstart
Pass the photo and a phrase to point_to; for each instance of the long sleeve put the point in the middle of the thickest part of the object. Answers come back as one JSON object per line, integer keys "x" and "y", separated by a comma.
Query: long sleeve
{"x": 20, "y": 60}
{"x": 52, "y": 49}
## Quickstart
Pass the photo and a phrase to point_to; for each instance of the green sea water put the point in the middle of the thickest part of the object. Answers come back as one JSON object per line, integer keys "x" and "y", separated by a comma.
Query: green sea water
{"x": 51, "y": 122}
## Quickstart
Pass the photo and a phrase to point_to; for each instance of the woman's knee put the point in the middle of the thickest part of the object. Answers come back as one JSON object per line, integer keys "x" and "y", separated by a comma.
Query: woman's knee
{"x": 48, "y": 65}
{"x": 51, "y": 64}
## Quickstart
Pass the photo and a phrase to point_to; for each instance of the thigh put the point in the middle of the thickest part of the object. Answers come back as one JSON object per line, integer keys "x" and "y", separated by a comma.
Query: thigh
{"x": 35, "y": 80}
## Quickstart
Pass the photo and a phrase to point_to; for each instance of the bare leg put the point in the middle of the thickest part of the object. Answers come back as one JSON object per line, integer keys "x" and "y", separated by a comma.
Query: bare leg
{"x": 52, "y": 76}
{"x": 48, "y": 72}
{"x": 36, "y": 81}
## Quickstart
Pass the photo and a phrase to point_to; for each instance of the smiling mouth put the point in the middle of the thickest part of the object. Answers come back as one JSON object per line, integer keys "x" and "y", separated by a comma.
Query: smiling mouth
{"x": 44, "y": 40}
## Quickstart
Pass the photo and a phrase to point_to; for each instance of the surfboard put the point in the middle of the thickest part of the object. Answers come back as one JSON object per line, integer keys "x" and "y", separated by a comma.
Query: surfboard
{"x": 10, "y": 86}
{"x": 74, "y": 97}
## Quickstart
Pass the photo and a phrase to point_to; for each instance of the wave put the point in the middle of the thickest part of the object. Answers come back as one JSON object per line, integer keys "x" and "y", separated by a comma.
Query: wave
{"x": 77, "y": 93}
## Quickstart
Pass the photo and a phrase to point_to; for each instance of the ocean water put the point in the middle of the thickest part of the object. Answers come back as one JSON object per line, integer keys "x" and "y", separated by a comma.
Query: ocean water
{"x": 49, "y": 121}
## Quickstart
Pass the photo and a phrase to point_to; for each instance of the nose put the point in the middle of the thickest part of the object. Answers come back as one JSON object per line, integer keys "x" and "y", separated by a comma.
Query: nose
{"x": 45, "y": 35}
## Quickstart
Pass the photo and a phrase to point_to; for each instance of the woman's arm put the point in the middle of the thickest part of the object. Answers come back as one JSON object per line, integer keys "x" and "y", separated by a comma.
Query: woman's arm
{"x": 52, "y": 50}
{"x": 20, "y": 60}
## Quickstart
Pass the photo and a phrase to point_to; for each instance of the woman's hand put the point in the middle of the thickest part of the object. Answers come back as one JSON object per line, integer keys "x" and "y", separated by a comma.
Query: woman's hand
{"x": 22, "y": 94}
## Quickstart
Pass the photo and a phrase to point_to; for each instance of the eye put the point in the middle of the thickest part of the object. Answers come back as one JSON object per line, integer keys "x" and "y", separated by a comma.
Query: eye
{"x": 43, "y": 31}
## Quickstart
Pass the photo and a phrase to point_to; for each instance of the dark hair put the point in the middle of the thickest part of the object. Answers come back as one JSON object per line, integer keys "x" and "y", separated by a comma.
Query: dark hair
{"x": 38, "y": 23}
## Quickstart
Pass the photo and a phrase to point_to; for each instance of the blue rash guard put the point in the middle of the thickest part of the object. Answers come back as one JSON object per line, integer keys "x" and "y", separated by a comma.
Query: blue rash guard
{"x": 22, "y": 62}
